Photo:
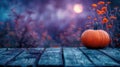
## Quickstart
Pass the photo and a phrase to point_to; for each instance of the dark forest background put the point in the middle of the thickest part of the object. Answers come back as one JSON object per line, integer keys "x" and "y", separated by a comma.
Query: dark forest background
{"x": 54, "y": 23}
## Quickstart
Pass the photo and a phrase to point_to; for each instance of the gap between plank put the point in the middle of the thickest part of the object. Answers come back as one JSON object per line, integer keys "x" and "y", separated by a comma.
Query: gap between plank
{"x": 39, "y": 57}
{"x": 14, "y": 57}
{"x": 109, "y": 56}
{"x": 87, "y": 57}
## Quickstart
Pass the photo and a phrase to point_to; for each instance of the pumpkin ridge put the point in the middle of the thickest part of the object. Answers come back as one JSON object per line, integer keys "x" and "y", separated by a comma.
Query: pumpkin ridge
{"x": 102, "y": 38}
{"x": 99, "y": 38}
{"x": 107, "y": 38}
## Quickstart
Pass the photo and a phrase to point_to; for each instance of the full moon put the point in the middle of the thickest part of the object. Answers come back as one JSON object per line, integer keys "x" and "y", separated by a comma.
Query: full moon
{"x": 78, "y": 8}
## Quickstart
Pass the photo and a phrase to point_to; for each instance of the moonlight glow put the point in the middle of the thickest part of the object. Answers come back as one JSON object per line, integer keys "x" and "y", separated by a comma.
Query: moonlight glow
{"x": 78, "y": 8}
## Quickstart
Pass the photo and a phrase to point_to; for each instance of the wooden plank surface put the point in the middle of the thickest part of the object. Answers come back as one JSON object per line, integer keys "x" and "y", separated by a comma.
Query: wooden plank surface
{"x": 27, "y": 58}
{"x": 14, "y": 49}
{"x": 74, "y": 57}
{"x": 98, "y": 58}
{"x": 113, "y": 53}
{"x": 51, "y": 57}
{"x": 2, "y": 50}
{"x": 59, "y": 57}
{"x": 6, "y": 56}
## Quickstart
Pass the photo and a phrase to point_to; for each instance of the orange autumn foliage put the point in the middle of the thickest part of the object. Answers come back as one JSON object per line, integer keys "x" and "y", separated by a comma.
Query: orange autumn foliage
{"x": 99, "y": 12}
{"x": 55, "y": 46}
{"x": 109, "y": 26}
{"x": 95, "y": 19}
{"x": 104, "y": 9}
{"x": 94, "y": 5}
{"x": 108, "y": 2}
{"x": 89, "y": 17}
{"x": 49, "y": 38}
{"x": 101, "y": 3}
{"x": 105, "y": 20}
{"x": 113, "y": 17}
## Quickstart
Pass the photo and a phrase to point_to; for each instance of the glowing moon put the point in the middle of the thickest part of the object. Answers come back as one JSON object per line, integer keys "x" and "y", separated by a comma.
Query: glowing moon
{"x": 78, "y": 8}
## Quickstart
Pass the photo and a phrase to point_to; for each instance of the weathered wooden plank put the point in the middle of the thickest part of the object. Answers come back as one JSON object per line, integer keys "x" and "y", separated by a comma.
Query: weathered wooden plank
{"x": 6, "y": 56}
{"x": 118, "y": 49}
{"x": 113, "y": 53}
{"x": 74, "y": 57}
{"x": 98, "y": 58}
{"x": 35, "y": 50}
{"x": 27, "y": 58}
{"x": 1, "y": 49}
{"x": 14, "y": 49}
{"x": 51, "y": 57}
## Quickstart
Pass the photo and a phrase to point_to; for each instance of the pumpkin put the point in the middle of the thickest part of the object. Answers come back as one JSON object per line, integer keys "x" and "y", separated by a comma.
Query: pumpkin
{"x": 95, "y": 39}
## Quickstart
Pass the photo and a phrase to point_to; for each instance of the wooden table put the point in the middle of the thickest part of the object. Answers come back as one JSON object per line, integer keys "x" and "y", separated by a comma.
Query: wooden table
{"x": 80, "y": 56}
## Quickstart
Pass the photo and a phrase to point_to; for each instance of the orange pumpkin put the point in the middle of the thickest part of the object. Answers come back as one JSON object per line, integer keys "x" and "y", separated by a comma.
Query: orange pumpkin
{"x": 95, "y": 38}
